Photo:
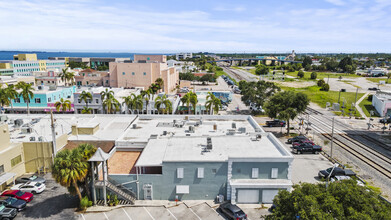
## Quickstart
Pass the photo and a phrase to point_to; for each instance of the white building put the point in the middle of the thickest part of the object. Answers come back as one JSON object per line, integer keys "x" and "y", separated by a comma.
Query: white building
{"x": 183, "y": 56}
{"x": 182, "y": 66}
{"x": 377, "y": 71}
{"x": 382, "y": 103}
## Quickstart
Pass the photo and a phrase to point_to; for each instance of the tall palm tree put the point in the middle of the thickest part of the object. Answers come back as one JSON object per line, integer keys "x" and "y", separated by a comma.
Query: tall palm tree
{"x": 111, "y": 104}
{"x": 11, "y": 94}
{"x": 213, "y": 104}
{"x": 63, "y": 75}
{"x": 129, "y": 102}
{"x": 106, "y": 94}
{"x": 86, "y": 110}
{"x": 26, "y": 93}
{"x": 69, "y": 168}
{"x": 63, "y": 105}
{"x": 163, "y": 101}
{"x": 86, "y": 151}
{"x": 186, "y": 100}
{"x": 147, "y": 97}
{"x": 193, "y": 100}
{"x": 3, "y": 98}
{"x": 70, "y": 77}
{"x": 138, "y": 103}
{"x": 160, "y": 83}
{"x": 85, "y": 96}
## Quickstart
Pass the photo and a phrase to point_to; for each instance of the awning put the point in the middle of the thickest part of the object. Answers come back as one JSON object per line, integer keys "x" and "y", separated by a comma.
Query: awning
{"x": 182, "y": 189}
{"x": 6, "y": 176}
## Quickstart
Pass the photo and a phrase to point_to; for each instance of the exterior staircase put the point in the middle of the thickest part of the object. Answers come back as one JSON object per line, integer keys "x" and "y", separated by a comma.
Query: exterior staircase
{"x": 121, "y": 191}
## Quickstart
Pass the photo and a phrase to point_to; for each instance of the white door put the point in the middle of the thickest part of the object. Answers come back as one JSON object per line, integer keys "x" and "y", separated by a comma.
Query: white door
{"x": 248, "y": 196}
{"x": 268, "y": 195}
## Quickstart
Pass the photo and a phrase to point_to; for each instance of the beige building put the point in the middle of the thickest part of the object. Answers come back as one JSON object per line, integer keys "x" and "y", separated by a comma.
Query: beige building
{"x": 13, "y": 80}
{"x": 143, "y": 72}
{"x": 90, "y": 77}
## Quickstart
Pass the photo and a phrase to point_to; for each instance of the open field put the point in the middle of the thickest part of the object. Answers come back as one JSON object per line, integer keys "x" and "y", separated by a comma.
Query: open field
{"x": 378, "y": 79}
{"x": 323, "y": 75}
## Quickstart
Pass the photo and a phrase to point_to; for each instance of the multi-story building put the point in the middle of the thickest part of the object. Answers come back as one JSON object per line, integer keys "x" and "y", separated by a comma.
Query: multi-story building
{"x": 26, "y": 57}
{"x": 48, "y": 78}
{"x": 44, "y": 99}
{"x": 6, "y": 69}
{"x": 93, "y": 62}
{"x": 182, "y": 66}
{"x": 382, "y": 103}
{"x": 90, "y": 77}
{"x": 143, "y": 72}
{"x": 183, "y": 56}
{"x": 13, "y": 80}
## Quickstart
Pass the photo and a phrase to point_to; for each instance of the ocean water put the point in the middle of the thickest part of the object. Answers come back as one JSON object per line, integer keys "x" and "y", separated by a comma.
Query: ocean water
{"x": 8, "y": 55}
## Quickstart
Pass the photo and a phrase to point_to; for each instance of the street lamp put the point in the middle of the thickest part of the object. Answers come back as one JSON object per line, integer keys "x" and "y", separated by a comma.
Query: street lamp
{"x": 339, "y": 94}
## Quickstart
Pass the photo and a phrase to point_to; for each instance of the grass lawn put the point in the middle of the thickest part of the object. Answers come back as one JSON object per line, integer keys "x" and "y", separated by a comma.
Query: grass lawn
{"x": 322, "y": 97}
{"x": 366, "y": 106}
{"x": 323, "y": 75}
{"x": 377, "y": 80}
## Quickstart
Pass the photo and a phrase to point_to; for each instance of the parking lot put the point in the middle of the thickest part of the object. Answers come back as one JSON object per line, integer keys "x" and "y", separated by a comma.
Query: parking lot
{"x": 53, "y": 203}
{"x": 201, "y": 211}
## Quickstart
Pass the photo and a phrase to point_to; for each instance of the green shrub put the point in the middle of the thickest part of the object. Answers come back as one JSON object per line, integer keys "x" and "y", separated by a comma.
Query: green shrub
{"x": 370, "y": 98}
{"x": 314, "y": 75}
{"x": 321, "y": 82}
{"x": 325, "y": 87}
{"x": 300, "y": 74}
{"x": 85, "y": 203}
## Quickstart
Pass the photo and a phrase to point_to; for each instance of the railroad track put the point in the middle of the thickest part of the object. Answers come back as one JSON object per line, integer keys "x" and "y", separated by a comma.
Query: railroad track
{"x": 237, "y": 76}
{"x": 360, "y": 156}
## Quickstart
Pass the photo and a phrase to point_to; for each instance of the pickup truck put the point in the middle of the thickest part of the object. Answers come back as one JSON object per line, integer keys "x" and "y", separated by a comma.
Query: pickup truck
{"x": 336, "y": 172}
{"x": 7, "y": 213}
{"x": 307, "y": 147}
{"x": 275, "y": 123}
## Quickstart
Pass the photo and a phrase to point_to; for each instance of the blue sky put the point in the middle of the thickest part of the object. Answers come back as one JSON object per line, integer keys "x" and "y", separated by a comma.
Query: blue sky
{"x": 216, "y": 26}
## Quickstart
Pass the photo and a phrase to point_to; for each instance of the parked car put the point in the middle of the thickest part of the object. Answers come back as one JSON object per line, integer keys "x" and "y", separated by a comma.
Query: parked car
{"x": 25, "y": 196}
{"x": 31, "y": 187}
{"x": 232, "y": 211}
{"x": 28, "y": 178}
{"x": 385, "y": 121}
{"x": 336, "y": 172}
{"x": 373, "y": 89}
{"x": 300, "y": 142}
{"x": 307, "y": 147}
{"x": 296, "y": 139}
{"x": 11, "y": 202}
{"x": 275, "y": 123}
{"x": 7, "y": 213}
{"x": 237, "y": 90}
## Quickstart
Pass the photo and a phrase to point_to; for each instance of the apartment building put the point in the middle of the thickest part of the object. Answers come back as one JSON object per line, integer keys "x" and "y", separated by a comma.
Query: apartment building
{"x": 48, "y": 78}
{"x": 93, "y": 62}
{"x": 143, "y": 72}
{"x": 90, "y": 77}
{"x": 183, "y": 56}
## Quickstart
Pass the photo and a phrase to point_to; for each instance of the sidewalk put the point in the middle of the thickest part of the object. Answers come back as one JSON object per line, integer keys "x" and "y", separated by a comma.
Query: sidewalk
{"x": 359, "y": 108}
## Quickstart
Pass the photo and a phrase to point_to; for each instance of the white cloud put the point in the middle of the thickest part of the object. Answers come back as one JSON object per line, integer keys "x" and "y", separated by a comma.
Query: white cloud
{"x": 336, "y": 2}
{"x": 232, "y": 8}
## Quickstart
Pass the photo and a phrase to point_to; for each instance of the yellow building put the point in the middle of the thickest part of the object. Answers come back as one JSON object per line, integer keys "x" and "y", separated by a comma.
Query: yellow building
{"x": 42, "y": 65}
{"x": 5, "y": 66}
{"x": 11, "y": 158}
{"x": 26, "y": 57}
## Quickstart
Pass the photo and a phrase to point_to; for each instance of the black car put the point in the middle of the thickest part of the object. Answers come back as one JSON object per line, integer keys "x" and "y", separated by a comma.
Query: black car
{"x": 296, "y": 139}
{"x": 307, "y": 147}
{"x": 385, "y": 121}
{"x": 336, "y": 172}
{"x": 373, "y": 89}
{"x": 232, "y": 211}
{"x": 275, "y": 123}
{"x": 11, "y": 202}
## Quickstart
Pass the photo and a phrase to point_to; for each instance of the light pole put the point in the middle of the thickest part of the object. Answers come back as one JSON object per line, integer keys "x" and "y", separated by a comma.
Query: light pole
{"x": 332, "y": 139}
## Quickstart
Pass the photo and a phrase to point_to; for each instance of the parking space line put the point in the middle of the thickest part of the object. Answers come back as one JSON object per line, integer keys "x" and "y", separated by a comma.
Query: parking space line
{"x": 83, "y": 216}
{"x": 195, "y": 214}
{"x": 171, "y": 213}
{"x": 149, "y": 213}
{"x": 106, "y": 216}
{"x": 126, "y": 213}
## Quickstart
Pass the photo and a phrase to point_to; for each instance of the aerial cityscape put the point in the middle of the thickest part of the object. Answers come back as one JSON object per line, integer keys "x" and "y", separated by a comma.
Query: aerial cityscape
{"x": 195, "y": 110}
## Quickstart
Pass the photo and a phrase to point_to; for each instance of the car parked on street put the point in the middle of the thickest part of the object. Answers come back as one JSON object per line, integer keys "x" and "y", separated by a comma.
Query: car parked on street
{"x": 28, "y": 178}
{"x": 307, "y": 148}
{"x": 25, "y": 196}
{"x": 275, "y": 123}
{"x": 31, "y": 187}
{"x": 232, "y": 211}
{"x": 296, "y": 139}
{"x": 11, "y": 202}
{"x": 300, "y": 142}
{"x": 7, "y": 213}
{"x": 336, "y": 172}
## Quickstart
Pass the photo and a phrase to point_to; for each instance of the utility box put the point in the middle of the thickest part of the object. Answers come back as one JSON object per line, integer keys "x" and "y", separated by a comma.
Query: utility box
{"x": 336, "y": 106}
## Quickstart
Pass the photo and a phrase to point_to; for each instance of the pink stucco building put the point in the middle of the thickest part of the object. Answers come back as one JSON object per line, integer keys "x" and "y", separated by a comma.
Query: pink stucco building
{"x": 142, "y": 72}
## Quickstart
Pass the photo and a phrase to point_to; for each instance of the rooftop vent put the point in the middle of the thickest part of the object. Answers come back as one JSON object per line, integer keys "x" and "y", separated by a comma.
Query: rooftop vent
{"x": 257, "y": 137}
{"x": 215, "y": 127}
{"x": 32, "y": 138}
{"x": 242, "y": 130}
{"x": 191, "y": 129}
{"x": 18, "y": 122}
{"x": 134, "y": 126}
{"x": 164, "y": 133}
{"x": 153, "y": 136}
{"x": 231, "y": 132}
{"x": 233, "y": 125}
{"x": 40, "y": 138}
{"x": 209, "y": 145}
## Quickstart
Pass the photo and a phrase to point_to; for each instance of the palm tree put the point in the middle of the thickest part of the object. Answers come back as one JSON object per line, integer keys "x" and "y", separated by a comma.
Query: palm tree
{"x": 3, "y": 98}
{"x": 138, "y": 103}
{"x": 146, "y": 96}
{"x": 111, "y": 104}
{"x": 86, "y": 110}
{"x": 70, "y": 77}
{"x": 213, "y": 103}
{"x": 26, "y": 93}
{"x": 107, "y": 94}
{"x": 63, "y": 104}
{"x": 129, "y": 102}
{"x": 63, "y": 75}
{"x": 11, "y": 93}
{"x": 85, "y": 96}
{"x": 161, "y": 101}
{"x": 193, "y": 100}
{"x": 186, "y": 100}
{"x": 86, "y": 151}
{"x": 69, "y": 168}
{"x": 160, "y": 83}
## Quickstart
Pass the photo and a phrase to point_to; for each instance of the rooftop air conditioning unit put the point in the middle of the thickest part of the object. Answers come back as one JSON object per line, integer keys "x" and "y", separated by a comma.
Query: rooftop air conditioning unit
{"x": 134, "y": 126}
{"x": 32, "y": 138}
{"x": 191, "y": 129}
{"x": 40, "y": 138}
{"x": 164, "y": 133}
{"x": 231, "y": 132}
{"x": 209, "y": 145}
{"x": 242, "y": 130}
{"x": 234, "y": 125}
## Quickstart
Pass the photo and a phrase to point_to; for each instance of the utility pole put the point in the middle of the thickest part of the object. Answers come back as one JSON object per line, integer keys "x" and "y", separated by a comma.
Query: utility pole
{"x": 355, "y": 102}
{"x": 54, "y": 148}
{"x": 332, "y": 139}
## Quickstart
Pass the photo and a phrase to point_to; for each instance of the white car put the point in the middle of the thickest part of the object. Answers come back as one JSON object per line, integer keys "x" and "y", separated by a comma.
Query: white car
{"x": 31, "y": 187}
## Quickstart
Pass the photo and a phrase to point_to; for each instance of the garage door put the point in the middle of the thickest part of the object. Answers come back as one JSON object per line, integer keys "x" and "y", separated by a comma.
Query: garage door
{"x": 248, "y": 196}
{"x": 268, "y": 195}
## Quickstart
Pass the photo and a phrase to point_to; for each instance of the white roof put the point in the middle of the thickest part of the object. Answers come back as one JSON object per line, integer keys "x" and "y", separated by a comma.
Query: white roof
{"x": 100, "y": 155}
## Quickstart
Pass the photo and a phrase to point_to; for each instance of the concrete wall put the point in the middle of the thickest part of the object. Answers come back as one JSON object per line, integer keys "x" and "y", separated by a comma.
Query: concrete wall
{"x": 150, "y": 58}
{"x": 243, "y": 170}
{"x": 4, "y": 136}
{"x": 6, "y": 155}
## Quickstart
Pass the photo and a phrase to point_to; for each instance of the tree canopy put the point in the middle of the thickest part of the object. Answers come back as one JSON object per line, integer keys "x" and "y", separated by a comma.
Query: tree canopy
{"x": 340, "y": 200}
{"x": 307, "y": 61}
{"x": 257, "y": 92}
